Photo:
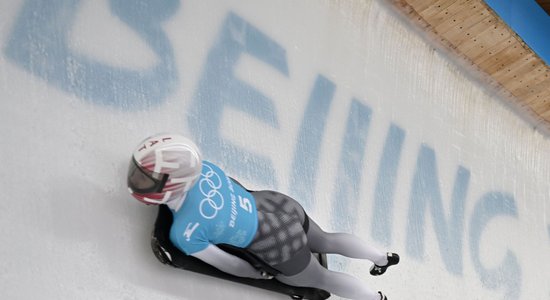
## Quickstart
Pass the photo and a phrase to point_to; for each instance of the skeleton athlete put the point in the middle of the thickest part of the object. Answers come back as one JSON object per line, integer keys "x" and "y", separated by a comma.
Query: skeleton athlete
{"x": 210, "y": 208}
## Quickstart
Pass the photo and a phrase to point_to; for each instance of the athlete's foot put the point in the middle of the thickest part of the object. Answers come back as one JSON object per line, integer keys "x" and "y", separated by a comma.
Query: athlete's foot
{"x": 382, "y": 296}
{"x": 393, "y": 259}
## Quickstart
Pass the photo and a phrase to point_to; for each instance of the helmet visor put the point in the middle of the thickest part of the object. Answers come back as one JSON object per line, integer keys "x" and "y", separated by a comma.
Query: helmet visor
{"x": 144, "y": 181}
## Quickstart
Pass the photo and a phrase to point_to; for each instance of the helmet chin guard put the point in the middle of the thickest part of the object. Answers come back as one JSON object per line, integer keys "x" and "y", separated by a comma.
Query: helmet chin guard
{"x": 163, "y": 168}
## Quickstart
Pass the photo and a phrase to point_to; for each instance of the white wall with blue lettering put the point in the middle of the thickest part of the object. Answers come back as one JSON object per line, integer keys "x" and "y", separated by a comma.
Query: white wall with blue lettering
{"x": 337, "y": 103}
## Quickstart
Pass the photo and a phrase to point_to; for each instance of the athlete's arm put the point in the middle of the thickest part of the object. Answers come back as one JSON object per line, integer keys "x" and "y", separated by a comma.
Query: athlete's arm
{"x": 227, "y": 263}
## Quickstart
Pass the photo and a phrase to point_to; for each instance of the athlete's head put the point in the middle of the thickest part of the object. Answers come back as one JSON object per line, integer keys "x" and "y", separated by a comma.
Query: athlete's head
{"x": 163, "y": 167}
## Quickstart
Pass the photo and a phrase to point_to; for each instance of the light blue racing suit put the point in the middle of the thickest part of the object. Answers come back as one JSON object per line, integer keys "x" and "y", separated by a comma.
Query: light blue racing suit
{"x": 215, "y": 211}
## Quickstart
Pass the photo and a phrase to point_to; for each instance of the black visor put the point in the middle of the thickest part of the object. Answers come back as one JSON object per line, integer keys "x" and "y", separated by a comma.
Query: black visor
{"x": 144, "y": 181}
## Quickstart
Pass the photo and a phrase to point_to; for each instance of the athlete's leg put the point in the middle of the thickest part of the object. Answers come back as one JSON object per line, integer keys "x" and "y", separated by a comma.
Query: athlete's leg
{"x": 343, "y": 285}
{"x": 342, "y": 243}
{"x": 318, "y": 240}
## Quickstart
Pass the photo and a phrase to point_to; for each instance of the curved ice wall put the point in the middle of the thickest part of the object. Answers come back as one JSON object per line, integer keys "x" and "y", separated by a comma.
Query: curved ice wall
{"x": 338, "y": 103}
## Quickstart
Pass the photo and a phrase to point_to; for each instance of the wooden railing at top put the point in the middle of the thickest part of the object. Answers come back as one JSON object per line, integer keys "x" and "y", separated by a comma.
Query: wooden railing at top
{"x": 471, "y": 30}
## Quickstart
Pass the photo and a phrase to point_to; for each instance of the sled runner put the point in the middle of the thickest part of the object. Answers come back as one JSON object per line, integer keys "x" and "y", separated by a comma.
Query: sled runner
{"x": 168, "y": 254}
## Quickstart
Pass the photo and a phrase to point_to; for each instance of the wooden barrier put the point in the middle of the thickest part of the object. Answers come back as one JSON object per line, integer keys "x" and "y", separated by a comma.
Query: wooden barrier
{"x": 471, "y": 30}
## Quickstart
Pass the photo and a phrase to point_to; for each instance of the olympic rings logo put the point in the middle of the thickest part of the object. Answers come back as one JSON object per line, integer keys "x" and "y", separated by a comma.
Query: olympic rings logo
{"x": 209, "y": 186}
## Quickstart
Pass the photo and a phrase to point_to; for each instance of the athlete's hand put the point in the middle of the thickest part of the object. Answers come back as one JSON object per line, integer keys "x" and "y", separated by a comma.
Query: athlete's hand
{"x": 262, "y": 275}
{"x": 266, "y": 275}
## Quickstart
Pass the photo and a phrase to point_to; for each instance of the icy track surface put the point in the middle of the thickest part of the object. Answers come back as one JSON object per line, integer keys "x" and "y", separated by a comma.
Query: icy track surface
{"x": 337, "y": 103}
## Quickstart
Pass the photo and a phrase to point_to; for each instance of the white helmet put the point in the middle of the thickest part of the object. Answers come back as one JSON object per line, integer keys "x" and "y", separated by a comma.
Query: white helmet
{"x": 163, "y": 168}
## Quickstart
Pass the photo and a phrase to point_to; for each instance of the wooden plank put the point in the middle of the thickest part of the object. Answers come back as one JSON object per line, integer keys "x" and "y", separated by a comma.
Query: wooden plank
{"x": 492, "y": 41}
{"x": 531, "y": 98}
{"x": 527, "y": 91}
{"x": 464, "y": 33}
{"x": 536, "y": 98}
{"x": 461, "y": 21}
{"x": 520, "y": 63}
{"x": 506, "y": 76}
{"x": 484, "y": 42}
{"x": 505, "y": 57}
{"x": 428, "y": 11}
{"x": 546, "y": 116}
{"x": 469, "y": 39}
{"x": 541, "y": 107}
{"x": 536, "y": 74}
{"x": 402, "y": 5}
{"x": 443, "y": 15}
{"x": 420, "y": 5}
{"x": 460, "y": 37}
{"x": 472, "y": 31}
{"x": 498, "y": 52}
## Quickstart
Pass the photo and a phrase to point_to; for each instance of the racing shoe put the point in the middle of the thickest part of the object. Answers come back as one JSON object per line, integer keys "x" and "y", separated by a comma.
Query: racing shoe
{"x": 382, "y": 296}
{"x": 393, "y": 259}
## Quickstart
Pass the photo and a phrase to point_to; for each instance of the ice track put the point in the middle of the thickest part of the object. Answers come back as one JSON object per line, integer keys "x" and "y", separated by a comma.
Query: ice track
{"x": 337, "y": 103}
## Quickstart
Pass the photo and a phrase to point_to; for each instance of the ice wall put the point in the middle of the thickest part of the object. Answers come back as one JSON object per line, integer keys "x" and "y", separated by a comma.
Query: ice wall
{"x": 337, "y": 103}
